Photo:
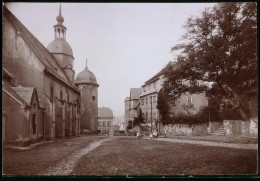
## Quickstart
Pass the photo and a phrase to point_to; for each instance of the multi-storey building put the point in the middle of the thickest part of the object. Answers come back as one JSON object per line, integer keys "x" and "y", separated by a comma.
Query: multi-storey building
{"x": 132, "y": 105}
{"x": 105, "y": 119}
{"x": 149, "y": 96}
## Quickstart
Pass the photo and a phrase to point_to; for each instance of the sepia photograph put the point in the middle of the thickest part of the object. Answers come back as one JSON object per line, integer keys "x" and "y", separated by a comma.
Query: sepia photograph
{"x": 129, "y": 89}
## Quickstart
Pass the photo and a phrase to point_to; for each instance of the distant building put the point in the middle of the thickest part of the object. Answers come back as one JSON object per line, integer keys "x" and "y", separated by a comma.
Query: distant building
{"x": 127, "y": 110}
{"x": 148, "y": 101}
{"x": 105, "y": 119}
{"x": 148, "y": 98}
{"x": 132, "y": 105}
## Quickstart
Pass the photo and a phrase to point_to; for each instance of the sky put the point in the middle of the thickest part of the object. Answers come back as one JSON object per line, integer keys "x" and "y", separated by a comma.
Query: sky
{"x": 125, "y": 43}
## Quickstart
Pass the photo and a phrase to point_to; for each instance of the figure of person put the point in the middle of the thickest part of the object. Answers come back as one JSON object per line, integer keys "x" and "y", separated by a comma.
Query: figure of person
{"x": 155, "y": 133}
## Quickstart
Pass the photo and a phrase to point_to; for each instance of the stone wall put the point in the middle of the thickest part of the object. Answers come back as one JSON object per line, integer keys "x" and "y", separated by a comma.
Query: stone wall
{"x": 184, "y": 129}
{"x": 241, "y": 128}
{"x": 253, "y": 126}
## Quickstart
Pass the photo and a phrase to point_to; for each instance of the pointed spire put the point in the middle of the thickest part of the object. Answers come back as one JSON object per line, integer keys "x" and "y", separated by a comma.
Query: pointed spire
{"x": 86, "y": 64}
{"x": 59, "y": 18}
{"x": 60, "y": 10}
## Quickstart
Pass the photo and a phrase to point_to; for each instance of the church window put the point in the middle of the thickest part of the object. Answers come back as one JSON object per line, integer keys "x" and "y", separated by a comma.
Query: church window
{"x": 61, "y": 95}
{"x": 34, "y": 123}
{"x": 68, "y": 96}
{"x": 51, "y": 94}
{"x": 93, "y": 98}
{"x": 146, "y": 100}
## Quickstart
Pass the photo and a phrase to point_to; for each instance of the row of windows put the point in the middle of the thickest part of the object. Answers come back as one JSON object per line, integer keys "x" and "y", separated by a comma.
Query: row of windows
{"x": 104, "y": 123}
{"x": 145, "y": 115}
{"x": 148, "y": 100}
{"x": 180, "y": 82}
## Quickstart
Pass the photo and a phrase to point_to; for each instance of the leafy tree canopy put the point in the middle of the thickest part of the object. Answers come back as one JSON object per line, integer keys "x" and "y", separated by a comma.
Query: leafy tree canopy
{"x": 219, "y": 48}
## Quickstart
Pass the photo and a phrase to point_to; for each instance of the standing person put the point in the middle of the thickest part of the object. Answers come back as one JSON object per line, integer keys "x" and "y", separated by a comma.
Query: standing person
{"x": 138, "y": 134}
{"x": 155, "y": 133}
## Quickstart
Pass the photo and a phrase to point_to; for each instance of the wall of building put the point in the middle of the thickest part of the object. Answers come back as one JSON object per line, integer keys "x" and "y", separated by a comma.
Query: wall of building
{"x": 89, "y": 106}
{"x": 149, "y": 107}
{"x": 29, "y": 72}
{"x": 17, "y": 125}
{"x": 127, "y": 110}
{"x": 105, "y": 125}
{"x": 197, "y": 100}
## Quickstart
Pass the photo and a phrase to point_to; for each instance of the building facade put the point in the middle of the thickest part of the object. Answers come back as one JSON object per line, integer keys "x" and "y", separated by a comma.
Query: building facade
{"x": 132, "y": 105}
{"x": 48, "y": 73}
{"x": 149, "y": 95}
{"x": 105, "y": 120}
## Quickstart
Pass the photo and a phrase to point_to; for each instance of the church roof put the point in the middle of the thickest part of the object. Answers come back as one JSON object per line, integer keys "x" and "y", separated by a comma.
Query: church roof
{"x": 135, "y": 93}
{"x": 105, "y": 112}
{"x": 9, "y": 91}
{"x": 60, "y": 45}
{"x": 25, "y": 93}
{"x": 86, "y": 77}
{"x": 45, "y": 57}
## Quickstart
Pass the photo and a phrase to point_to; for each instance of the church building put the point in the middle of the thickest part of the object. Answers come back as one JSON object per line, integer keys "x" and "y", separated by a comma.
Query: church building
{"x": 40, "y": 99}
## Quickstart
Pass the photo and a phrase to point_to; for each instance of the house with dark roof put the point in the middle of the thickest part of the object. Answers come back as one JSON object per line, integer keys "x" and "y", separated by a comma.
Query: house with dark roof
{"x": 105, "y": 120}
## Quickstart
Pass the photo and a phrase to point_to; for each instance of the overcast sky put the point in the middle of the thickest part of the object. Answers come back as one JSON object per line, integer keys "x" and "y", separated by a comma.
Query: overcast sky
{"x": 125, "y": 43}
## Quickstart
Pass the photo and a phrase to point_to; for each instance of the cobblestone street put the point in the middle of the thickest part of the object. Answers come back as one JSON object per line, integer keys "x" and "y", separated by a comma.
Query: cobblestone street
{"x": 125, "y": 156}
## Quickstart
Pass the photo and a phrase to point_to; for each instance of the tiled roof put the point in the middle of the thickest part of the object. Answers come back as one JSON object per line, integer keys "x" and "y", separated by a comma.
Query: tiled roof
{"x": 46, "y": 58}
{"x": 105, "y": 112}
{"x": 14, "y": 95}
{"x": 155, "y": 76}
{"x": 25, "y": 93}
{"x": 135, "y": 93}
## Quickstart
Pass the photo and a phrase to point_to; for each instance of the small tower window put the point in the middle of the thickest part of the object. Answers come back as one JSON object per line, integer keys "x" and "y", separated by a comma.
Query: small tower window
{"x": 93, "y": 98}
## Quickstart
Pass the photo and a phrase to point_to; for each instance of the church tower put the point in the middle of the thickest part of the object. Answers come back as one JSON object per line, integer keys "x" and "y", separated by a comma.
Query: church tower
{"x": 60, "y": 48}
{"x": 87, "y": 84}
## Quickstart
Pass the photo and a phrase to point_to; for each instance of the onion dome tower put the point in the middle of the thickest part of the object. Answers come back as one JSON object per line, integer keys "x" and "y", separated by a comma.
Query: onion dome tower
{"x": 87, "y": 84}
{"x": 60, "y": 48}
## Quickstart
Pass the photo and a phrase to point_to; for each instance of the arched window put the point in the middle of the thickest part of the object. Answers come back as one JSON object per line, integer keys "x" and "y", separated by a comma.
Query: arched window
{"x": 61, "y": 95}
{"x": 51, "y": 94}
{"x": 68, "y": 96}
{"x": 59, "y": 32}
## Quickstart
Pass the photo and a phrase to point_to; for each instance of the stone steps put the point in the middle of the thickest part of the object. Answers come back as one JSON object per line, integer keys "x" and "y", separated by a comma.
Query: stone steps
{"x": 220, "y": 131}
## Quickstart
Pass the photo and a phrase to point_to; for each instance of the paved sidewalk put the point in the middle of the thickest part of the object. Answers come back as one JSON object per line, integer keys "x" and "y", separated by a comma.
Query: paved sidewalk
{"x": 210, "y": 143}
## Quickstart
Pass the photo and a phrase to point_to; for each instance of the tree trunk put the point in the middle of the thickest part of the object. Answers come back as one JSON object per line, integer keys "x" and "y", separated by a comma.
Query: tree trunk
{"x": 237, "y": 103}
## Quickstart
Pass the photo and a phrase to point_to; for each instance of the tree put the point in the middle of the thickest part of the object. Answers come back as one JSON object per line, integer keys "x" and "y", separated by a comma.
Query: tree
{"x": 163, "y": 106}
{"x": 218, "y": 48}
{"x": 139, "y": 119}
